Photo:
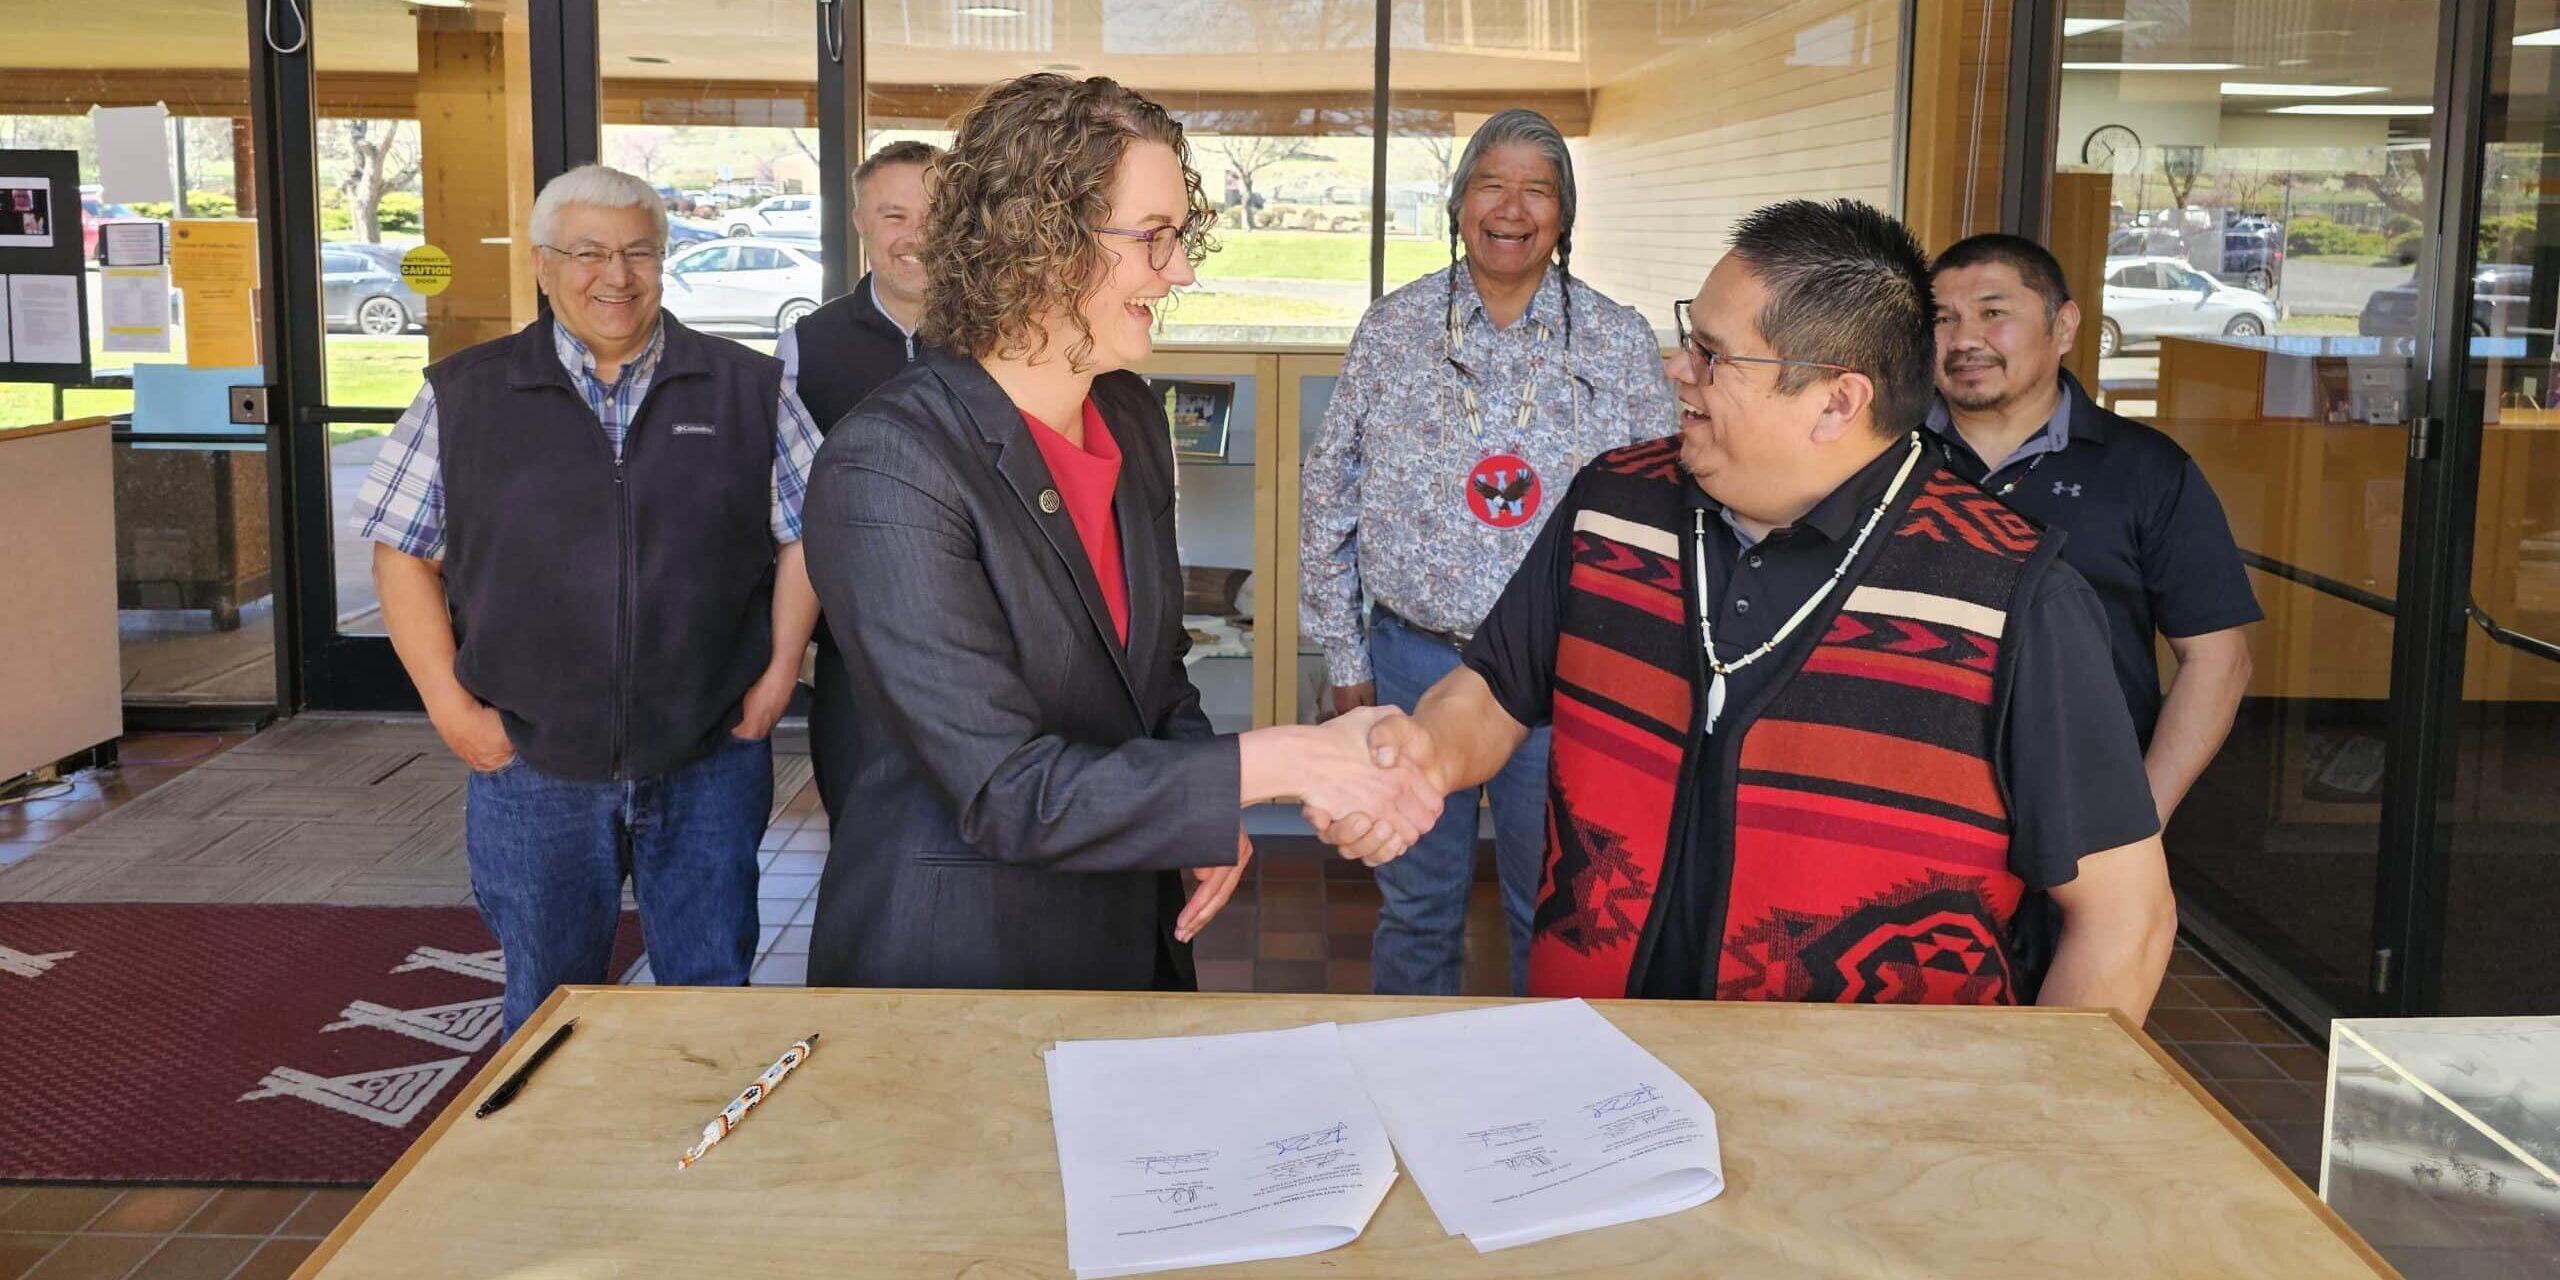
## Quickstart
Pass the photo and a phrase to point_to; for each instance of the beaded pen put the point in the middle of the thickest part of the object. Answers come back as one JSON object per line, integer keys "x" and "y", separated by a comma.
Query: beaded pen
{"x": 730, "y": 1116}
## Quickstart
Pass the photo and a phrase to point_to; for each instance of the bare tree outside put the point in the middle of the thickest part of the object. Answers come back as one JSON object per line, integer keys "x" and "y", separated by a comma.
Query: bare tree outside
{"x": 381, "y": 156}
{"x": 641, "y": 149}
{"x": 2400, "y": 186}
{"x": 1249, "y": 154}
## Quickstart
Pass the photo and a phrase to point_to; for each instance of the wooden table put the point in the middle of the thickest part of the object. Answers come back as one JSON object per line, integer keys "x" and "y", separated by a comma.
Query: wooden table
{"x": 1858, "y": 1141}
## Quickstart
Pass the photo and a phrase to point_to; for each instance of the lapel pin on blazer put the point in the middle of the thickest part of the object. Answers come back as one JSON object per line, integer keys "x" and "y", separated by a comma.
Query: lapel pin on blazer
{"x": 1050, "y": 502}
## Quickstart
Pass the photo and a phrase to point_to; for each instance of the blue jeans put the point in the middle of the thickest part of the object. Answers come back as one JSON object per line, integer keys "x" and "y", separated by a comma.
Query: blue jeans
{"x": 1420, "y": 947}
{"x": 548, "y": 858}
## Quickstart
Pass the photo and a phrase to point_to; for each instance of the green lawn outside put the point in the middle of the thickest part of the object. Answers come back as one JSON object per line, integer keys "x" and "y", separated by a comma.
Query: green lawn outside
{"x": 28, "y": 404}
{"x": 1201, "y": 308}
{"x": 1316, "y": 255}
{"x": 2322, "y": 326}
{"x": 2347, "y": 259}
{"x": 381, "y": 373}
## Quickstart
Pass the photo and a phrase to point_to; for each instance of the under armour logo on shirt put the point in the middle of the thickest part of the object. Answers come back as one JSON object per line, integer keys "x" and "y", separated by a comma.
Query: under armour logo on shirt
{"x": 2061, "y": 490}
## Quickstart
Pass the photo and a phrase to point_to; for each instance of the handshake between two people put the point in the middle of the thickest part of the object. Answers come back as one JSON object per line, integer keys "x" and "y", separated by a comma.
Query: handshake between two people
{"x": 1364, "y": 779}
{"x": 1375, "y": 789}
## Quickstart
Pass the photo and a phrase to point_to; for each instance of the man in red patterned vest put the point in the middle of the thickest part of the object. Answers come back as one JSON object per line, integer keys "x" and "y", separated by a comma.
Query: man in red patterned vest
{"x": 1829, "y": 722}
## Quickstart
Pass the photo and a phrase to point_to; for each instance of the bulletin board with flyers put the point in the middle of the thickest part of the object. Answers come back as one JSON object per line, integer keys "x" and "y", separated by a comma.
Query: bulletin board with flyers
{"x": 44, "y": 297}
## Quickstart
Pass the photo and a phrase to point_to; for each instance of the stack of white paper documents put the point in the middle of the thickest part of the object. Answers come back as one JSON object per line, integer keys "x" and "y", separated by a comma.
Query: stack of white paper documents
{"x": 1530, "y": 1121}
{"x": 1194, "y": 1150}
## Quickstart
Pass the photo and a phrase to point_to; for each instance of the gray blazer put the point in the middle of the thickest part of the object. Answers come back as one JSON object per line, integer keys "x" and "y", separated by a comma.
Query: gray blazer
{"x": 1024, "y": 789}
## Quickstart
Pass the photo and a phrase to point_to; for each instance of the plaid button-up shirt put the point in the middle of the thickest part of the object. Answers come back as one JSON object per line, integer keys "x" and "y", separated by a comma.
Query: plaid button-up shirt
{"x": 401, "y": 503}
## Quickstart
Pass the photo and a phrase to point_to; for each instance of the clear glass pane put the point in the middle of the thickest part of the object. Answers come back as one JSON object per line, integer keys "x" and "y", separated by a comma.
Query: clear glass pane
{"x": 2440, "y": 1149}
{"x": 2236, "y": 198}
{"x": 717, "y": 106}
{"x": 1215, "y": 404}
{"x": 424, "y": 144}
{"x": 195, "y": 582}
{"x": 2501, "y": 955}
{"x": 1275, "y": 96}
{"x": 1682, "y": 116}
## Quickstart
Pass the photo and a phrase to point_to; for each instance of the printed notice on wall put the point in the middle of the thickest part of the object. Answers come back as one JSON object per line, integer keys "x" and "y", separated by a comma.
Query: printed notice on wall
{"x": 44, "y": 319}
{"x": 133, "y": 153}
{"x": 214, "y": 262}
{"x": 26, "y": 213}
{"x": 135, "y": 301}
{"x": 132, "y": 243}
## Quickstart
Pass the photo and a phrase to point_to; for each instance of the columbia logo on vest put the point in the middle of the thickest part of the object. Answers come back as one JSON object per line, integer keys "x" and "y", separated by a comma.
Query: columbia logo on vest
{"x": 2060, "y": 490}
{"x": 696, "y": 429}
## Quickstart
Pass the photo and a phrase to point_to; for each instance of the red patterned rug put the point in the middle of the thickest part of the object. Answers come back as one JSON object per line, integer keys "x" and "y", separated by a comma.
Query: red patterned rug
{"x": 147, "y": 1043}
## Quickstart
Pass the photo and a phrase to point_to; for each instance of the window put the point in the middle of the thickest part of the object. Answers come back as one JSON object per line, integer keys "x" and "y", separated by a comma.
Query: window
{"x": 716, "y": 258}
{"x": 718, "y": 100}
{"x": 757, "y": 257}
{"x": 1275, "y": 96}
{"x": 2280, "y": 150}
{"x": 1681, "y": 118}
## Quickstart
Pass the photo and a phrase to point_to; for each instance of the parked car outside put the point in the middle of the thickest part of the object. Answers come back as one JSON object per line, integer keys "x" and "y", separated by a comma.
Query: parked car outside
{"x": 779, "y": 213}
{"x": 2500, "y": 292}
{"x": 2149, "y": 297}
{"x": 2252, "y": 257}
{"x": 681, "y": 234}
{"x": 762, "y": 284}
{"x": 361, "y": 289}
{"x": 2252, "y": 254}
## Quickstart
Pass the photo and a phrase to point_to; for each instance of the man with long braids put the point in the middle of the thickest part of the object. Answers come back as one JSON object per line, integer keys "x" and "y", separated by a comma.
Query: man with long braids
{"x": 1467, "y": 401}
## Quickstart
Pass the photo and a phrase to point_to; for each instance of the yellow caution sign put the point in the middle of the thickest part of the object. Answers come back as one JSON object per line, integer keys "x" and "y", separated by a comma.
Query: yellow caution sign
{"x": 427, "y": 269}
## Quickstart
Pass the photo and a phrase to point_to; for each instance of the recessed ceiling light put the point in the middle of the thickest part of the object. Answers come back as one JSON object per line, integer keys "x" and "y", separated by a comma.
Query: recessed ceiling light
{"x": 649, "y": 58}
{"x": 2083, "y": 26}
{"x": 438, "y": 4}
{"x": 989, "y": 11}
{"x": 2355, "y": 109}
{"x": 2551, "y": 37}
{"x": 2151, "y": 66}
{"x": 1060, "y": 66}
{"x": 2253, "y": 89}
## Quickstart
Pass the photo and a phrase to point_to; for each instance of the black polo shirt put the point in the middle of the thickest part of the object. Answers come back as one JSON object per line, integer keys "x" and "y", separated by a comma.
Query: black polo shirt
{"x": 2072, "y": 767}
{"x": 2145, "y": 530}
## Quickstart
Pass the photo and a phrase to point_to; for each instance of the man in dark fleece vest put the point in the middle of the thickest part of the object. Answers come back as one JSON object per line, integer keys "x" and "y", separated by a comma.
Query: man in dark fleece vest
{"x": 587, "y": 543}
{"x": 834, "y": 358}
{"x": 1830, "y": 723}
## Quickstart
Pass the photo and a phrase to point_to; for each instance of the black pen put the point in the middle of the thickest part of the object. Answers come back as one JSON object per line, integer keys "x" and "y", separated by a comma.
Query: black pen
{"x": 506, "y": 1092}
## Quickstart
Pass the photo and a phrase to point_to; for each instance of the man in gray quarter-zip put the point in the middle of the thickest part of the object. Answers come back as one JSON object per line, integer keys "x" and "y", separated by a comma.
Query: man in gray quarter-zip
{"x": 587, "y": 544}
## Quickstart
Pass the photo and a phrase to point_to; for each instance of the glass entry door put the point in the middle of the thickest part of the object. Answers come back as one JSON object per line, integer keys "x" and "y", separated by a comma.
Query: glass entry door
{"x": 197, "y": 587}
{"x": 2240, "y": 200}
{"x": 424, "y": 143}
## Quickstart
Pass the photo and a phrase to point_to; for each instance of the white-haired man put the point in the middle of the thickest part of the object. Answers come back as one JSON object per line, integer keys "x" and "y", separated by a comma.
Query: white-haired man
{"x": 587, "y": 544}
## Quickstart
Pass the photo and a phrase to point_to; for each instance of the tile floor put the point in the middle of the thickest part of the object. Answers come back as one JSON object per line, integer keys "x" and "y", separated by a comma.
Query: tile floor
{"x": 1300, "y": 922}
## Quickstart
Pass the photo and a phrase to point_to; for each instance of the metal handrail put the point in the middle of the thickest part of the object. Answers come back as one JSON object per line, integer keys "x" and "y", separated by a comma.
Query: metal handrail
{"x": 2386, "y": 606}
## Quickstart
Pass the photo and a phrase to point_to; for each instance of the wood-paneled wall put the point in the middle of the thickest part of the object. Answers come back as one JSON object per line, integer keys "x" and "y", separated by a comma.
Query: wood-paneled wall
{"x": 1797, "y": 101}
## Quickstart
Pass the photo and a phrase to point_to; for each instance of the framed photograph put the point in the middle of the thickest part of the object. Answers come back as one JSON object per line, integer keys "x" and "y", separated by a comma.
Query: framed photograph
{"x": 1198, "y": 412}
{"x": 26, "y": 213}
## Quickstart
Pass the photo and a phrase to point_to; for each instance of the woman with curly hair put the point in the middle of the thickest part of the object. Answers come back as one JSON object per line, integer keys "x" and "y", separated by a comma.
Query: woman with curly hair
{"x": 992, "y": 535}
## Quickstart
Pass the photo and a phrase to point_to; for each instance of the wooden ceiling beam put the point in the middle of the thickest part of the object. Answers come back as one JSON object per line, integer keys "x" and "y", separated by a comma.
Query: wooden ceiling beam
{"x": 629, "y": 100}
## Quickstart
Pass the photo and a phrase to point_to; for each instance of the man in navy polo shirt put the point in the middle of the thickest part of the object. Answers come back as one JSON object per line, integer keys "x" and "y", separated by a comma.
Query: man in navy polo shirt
{"x": 2143, "y": 526}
